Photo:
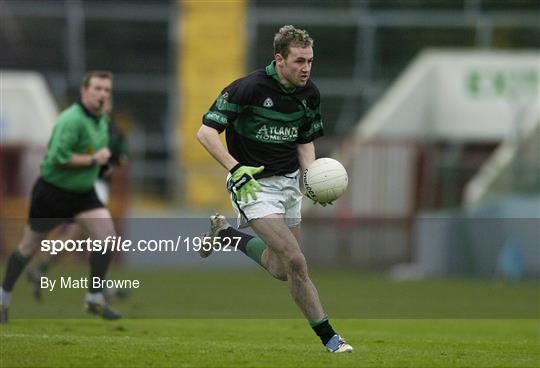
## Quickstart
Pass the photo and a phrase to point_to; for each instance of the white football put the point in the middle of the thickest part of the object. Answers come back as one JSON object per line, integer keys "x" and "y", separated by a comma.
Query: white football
{"x": 325, "y": 180}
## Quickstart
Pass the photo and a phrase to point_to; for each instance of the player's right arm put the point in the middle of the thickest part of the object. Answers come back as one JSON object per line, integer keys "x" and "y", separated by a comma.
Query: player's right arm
{"x": 209, "y": 138}
{"x": 225, "y": 111}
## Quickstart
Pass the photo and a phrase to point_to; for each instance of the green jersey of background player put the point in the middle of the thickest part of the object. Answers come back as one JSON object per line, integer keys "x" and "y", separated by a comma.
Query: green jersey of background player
{"x": 271, "y": 118}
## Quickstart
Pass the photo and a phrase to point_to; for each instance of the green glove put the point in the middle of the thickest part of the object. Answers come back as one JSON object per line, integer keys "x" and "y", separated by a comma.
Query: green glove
{"x": 244, "y": 183}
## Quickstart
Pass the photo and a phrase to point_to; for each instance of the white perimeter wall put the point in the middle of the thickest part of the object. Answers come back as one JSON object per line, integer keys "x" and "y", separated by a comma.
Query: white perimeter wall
{"x": 443, "y": 95}
{"x": 456, "y": 95}
{"x": 27, "y": 109}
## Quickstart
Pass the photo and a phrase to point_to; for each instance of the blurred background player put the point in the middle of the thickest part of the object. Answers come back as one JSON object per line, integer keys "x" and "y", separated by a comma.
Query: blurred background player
{"x": 271, "y": 118}
{"x": 119, "y": 157}
{"x": 64, "y": 191}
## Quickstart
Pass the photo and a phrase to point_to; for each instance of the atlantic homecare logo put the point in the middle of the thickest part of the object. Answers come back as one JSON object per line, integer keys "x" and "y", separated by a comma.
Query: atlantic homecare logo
{"x": 277, "y": 133}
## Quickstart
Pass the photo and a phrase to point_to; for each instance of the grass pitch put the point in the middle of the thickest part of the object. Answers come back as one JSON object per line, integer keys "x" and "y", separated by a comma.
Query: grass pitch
{"x": 267, "y": 343}
{"x": 245, "y": 319}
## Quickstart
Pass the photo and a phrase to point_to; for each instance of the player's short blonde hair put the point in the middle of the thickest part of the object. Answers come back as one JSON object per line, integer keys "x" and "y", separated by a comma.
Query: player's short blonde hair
{"x": 105, "y": 74}
{"x": 289, "y": 36}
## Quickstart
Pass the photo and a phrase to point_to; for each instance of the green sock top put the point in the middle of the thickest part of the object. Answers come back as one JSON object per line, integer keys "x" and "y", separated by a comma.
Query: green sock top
{"x": 255, "y": 248}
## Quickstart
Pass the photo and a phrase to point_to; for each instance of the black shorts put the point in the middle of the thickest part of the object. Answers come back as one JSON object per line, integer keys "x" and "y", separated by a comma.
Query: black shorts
{"x": 51, "y": 205}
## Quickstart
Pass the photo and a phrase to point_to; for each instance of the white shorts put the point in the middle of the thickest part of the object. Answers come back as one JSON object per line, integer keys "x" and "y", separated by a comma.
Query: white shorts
{"x": 279, "y": 195}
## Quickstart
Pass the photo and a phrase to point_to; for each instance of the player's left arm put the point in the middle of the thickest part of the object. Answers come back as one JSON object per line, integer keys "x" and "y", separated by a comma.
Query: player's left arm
{"x": 311, "y": 129}
{"x": 306, "y": 155}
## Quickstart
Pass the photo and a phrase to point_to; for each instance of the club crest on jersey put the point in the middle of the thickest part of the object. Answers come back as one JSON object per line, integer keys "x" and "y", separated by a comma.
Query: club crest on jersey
{"x": 268, "y": 102}
{"x": 222, "y": 101}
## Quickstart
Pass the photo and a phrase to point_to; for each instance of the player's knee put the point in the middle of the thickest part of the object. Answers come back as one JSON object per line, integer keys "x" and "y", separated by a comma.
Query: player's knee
{"x": 297, "y": 264}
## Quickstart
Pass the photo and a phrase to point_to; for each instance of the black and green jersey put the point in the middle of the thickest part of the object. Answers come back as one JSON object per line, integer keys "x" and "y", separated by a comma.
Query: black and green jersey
{"x": 264, "y": 121}
{"x": 75, "y": 131}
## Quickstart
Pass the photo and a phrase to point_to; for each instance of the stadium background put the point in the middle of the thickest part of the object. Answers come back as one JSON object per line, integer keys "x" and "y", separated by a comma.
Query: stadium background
{"x": 433, "y": 226}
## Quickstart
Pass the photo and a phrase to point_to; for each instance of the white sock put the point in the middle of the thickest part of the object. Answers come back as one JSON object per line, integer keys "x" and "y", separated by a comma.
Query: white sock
{"x": 95, "y": 297}
{"x": 5, "y": 297}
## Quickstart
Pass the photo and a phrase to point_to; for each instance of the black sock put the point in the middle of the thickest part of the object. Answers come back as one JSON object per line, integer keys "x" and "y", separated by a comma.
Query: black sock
{"x": 324, "y": 331}
{"x": 99, "y": 263}
{"x": 231, "y": 232}
{"x": 15, "y": 267}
